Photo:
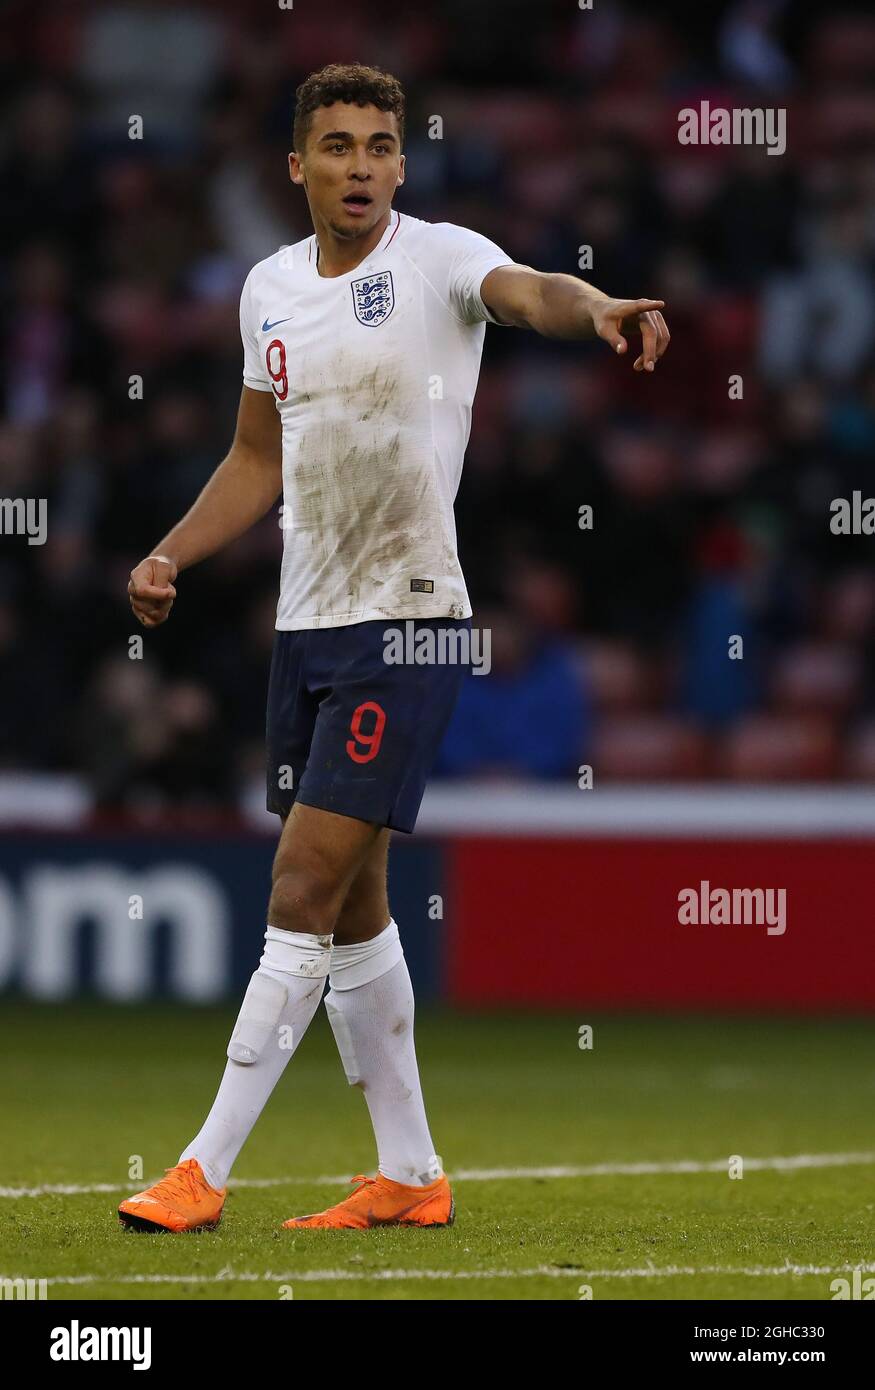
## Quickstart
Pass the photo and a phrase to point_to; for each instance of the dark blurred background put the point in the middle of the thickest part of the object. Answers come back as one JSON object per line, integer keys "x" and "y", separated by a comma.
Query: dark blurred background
{"x": 124, "y": 258}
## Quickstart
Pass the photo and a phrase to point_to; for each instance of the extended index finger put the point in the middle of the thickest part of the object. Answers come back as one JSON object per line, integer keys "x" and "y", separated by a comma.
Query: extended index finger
{"x": 642, "y": 306}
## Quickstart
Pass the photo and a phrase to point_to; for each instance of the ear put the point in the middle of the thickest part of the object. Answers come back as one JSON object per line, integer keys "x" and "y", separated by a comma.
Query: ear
{"x": 296, "y": 169}
{"x": 400, "y": 178}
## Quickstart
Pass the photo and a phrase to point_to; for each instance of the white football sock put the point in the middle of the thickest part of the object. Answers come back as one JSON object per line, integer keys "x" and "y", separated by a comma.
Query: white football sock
{"x": 282, "y": 997}
{"x": 370, "y": 1007}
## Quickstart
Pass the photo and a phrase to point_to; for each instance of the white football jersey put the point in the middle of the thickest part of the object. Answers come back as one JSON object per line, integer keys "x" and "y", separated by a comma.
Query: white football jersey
{"x": 373, "y": 374}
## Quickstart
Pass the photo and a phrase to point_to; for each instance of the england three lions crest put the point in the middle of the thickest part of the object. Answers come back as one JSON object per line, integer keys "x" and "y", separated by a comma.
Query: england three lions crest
{"x": 373, "y": 298}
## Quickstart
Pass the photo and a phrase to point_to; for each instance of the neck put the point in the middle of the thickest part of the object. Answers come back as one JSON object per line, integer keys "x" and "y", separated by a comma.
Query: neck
{"x": 337, "y": 255}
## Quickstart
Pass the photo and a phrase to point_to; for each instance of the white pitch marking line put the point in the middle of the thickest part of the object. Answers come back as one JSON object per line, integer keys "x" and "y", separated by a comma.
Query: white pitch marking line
{"x": 321, "y": 1276}
{"x": 487, "y": 1175}
{"x": 595, "y": 1170}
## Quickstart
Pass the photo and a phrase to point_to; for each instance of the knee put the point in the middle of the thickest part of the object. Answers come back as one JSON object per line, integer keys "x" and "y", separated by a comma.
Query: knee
{"x": 303, "y": 901}
{"x": 360, "y": 919}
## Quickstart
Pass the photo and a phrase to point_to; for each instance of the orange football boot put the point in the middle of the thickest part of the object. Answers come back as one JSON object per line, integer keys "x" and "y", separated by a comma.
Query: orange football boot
{"x": 381, "y": 1202}
{"x": 182, "y": 1201}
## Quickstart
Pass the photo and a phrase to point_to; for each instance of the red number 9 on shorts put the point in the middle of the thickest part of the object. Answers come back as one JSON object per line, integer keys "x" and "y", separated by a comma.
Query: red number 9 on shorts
{"x": 370, "y": 742}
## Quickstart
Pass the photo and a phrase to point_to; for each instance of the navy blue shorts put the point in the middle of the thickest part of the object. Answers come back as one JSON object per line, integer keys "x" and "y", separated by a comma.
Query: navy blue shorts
{"x": 351, "y": 733}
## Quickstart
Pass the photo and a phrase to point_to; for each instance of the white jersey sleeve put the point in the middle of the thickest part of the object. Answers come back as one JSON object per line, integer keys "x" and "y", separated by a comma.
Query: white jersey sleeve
{"x": 470, "y": 257}
{"x": 254, "y": 373}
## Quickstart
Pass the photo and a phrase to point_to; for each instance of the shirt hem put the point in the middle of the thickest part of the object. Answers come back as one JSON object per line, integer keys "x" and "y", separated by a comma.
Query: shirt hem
{"x": 367, "y": 615}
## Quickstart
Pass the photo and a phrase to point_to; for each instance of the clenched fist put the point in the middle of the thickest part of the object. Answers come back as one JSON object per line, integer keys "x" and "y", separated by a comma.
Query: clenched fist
{"x": 151, "y": 590}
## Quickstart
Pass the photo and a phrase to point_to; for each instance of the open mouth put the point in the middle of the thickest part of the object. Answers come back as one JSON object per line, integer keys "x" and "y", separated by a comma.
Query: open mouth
{"x": 357, "y": 200}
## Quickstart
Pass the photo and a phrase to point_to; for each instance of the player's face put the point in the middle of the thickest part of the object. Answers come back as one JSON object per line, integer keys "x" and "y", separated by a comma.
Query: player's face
{"x": 350, "y": 167}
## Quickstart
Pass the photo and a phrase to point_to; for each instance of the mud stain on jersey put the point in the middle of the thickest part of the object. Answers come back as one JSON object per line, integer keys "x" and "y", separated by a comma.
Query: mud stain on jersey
{"x": 362, "y": 492}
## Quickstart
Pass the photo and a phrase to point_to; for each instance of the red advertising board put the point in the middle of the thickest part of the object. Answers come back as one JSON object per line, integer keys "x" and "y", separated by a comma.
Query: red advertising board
{"x": 552, "y": 922}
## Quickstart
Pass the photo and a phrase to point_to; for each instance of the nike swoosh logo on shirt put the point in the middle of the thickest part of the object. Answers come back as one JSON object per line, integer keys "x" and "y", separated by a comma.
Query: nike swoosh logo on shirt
{"x": 266, "y": 327}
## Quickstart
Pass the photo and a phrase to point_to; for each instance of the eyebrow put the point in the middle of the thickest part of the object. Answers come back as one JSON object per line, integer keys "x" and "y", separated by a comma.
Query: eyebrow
{"x": 346, "y": 135}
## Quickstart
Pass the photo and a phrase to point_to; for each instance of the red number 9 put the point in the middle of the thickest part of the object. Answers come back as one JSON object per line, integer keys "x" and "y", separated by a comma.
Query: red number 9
{"x": 371, "y": 742}
{"x": 281, "y": 374}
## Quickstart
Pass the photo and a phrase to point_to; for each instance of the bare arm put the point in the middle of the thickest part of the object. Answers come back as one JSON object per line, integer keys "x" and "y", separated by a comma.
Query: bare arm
{"x": 244, "y": 486}
{"x": 561, "y": 306}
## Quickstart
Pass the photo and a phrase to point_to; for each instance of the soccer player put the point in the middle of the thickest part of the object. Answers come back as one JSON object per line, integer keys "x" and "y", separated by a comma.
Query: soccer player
{"x": 361, "y": 348}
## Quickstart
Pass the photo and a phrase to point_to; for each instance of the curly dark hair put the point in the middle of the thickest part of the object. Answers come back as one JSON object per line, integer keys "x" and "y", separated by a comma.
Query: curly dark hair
{"x": 352, "y": 82}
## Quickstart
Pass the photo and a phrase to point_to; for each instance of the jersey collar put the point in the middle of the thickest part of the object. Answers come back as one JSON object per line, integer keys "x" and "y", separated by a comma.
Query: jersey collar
{"x": 361, "y": 269}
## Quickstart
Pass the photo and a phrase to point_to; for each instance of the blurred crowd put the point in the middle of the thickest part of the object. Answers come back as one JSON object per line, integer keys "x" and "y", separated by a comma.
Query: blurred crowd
{"x": 710, "y": 482}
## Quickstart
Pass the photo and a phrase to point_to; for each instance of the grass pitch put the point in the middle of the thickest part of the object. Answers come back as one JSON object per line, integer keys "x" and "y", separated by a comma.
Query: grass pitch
{"x": 652, "y": 1115}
